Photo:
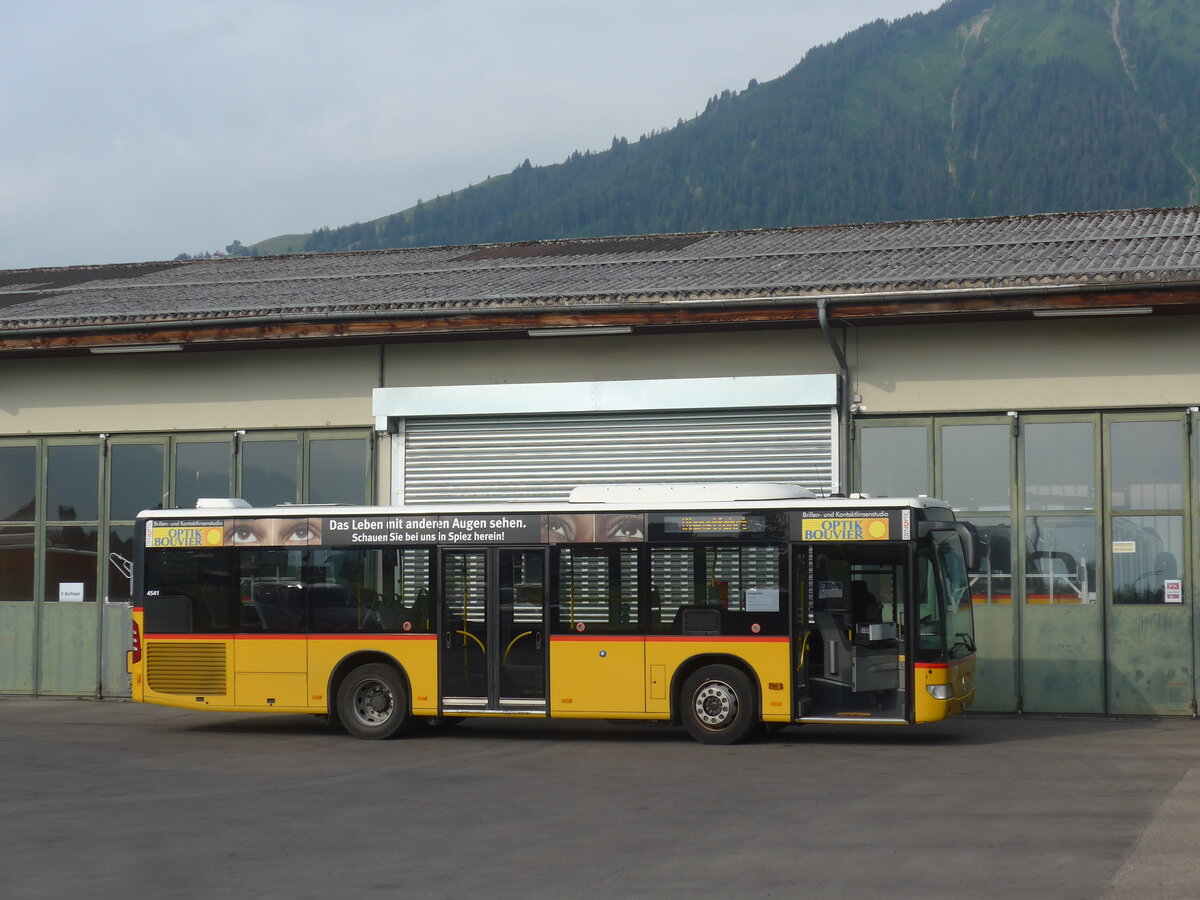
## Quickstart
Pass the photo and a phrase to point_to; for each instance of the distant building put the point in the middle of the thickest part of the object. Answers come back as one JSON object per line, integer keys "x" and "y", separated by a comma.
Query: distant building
{"x": 1038, "y": 372}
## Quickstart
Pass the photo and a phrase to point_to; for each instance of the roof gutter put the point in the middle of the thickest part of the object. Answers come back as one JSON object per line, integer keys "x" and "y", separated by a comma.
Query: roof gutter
{"x": 843, "y": 399}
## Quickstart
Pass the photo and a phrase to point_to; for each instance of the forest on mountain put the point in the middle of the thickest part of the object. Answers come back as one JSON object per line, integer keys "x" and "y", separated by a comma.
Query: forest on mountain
{"x": 981, "y": 107}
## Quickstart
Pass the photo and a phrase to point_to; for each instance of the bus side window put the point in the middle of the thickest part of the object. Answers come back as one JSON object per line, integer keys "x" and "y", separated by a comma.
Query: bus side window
{"x": 362, "y": 589}
{"x": 929, "y": 615}
{"x": 189, "y": 591}
{"x": 407, "y": 591}
{"x": 672, "y": 585}
{"x": 735, "y": 589}
{"x": 595, "y": 589}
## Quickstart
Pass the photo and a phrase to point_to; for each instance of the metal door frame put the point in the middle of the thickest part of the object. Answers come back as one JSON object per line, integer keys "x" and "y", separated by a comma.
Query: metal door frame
{"x": 1186, "y": 512}
{"x": 1021, "y": 513}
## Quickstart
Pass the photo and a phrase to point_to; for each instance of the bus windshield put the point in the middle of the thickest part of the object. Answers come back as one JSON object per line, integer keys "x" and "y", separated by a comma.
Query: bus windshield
{"x": 947, "y": 624}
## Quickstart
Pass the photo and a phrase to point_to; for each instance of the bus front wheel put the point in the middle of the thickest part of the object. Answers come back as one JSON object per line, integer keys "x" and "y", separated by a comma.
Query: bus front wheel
{"x": 719, "y": 705}
{"x": 372, "y": 702}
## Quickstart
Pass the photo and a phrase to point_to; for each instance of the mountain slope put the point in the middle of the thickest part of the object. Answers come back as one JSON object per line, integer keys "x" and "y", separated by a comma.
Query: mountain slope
{"x": 982, "y": 107}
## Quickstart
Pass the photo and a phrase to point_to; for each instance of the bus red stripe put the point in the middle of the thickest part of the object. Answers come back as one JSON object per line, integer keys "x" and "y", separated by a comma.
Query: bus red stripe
{"x": 598, "y": 637}
{"x": 371, "y": 636}
{"x": 189, "y": 636}
{"x": 350, "y": 635}
{"x": 754, "y": 638}
{"x": 942, "y": 665}
{"x": 374, "y": 636}
{"x": 669, "y": 638}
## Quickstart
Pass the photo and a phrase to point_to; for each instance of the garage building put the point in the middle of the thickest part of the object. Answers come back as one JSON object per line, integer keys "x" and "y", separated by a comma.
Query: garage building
{"x": 1038, "y": 372}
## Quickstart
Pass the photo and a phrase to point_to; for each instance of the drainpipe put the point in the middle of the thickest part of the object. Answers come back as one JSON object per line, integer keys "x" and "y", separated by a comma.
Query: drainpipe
{"x": 843, "y": 400}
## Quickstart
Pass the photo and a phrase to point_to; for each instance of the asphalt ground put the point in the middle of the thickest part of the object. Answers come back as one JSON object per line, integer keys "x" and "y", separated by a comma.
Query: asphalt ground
{"x": 116, "y": 799}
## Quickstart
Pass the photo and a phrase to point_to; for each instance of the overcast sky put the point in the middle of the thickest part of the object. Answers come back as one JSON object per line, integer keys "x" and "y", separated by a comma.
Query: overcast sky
{"x": 139, "y": 130}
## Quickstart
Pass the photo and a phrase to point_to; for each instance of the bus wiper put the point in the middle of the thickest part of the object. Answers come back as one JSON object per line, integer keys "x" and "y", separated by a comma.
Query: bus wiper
{"x": 965, "y": 640}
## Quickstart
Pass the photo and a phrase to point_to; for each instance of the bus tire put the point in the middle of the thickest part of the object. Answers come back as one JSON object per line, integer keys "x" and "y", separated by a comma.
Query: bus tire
{"x": 372, "y": 703}
{"x": 719, "y": 705}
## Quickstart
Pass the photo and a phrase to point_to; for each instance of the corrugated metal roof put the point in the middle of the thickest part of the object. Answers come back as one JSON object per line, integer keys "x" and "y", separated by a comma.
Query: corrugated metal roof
{"x": 1126, "y": 247}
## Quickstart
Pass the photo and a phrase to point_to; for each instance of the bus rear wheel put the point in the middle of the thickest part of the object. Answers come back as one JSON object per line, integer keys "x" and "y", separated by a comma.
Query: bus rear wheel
{"x": 372, "y": 703}
{"x": 719, "y": 705}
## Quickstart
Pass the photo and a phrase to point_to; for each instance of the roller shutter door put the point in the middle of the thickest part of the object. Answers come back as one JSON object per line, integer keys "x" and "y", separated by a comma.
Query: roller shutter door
{"x": 542, "y": 457}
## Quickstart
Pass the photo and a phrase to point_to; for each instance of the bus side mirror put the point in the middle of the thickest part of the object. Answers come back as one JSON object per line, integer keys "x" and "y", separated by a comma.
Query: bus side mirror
{"x": 969, "y": 537}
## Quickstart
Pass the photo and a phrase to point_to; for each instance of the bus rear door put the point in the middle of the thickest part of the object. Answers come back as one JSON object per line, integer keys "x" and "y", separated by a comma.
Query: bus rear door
{"x": 492, "y": 630}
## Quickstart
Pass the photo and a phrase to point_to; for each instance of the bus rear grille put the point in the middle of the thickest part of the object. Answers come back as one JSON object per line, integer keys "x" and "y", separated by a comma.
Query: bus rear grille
{"x": 186, "y": 667}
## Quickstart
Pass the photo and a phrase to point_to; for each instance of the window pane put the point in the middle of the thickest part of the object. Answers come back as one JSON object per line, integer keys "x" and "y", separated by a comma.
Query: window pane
{"x": 136, "y": 479}
{"x": 1147, "y": 465}
{"x": 464, "y": 588}
{"x": 672, "y": 585}
{"x": 748, "y": 579}
{"x": 18, "y": 484}
{"x": 894, "y": 462}
{"x": 465, "y": 663}
{"x": 189, "y": 591}
{"x": 1060, "y": 465}
{"x": 993, "y": 582}
{"x": 271, "y": 590}
{"x": 521, "y": 589}
{"x": 201, "y": 470}
{"x": 960, "y": 622}
{"x": 1060, "y": 561}
{"x": 120, "y": 563}
{"x": 411, "y": 593}
{"x": 16, "y": 564}
{"x": 1146, "y": 553}
{"x": 337, "y": 471}
{"x": 975, "y": 466}
{"x": 73, "y": 483}
{"x": 269, "y": 472}
{"x": 71, "y": 563}
{"x": 718, "y": 589}
{"x": 931, "y": 629}
{"x": 596, "y": 590}
{"x": 356, "y": 590}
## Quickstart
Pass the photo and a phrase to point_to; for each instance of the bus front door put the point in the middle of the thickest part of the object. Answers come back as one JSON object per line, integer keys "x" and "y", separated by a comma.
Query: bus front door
{"x": 492, "y": 630}
{"x": 851, "y": 606}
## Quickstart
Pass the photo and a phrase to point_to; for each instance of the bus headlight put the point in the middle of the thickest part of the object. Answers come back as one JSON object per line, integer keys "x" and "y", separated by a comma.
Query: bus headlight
{"x": 940, "y": 691}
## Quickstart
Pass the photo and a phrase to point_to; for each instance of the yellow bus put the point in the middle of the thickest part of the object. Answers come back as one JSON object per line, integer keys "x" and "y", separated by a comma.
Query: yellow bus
{"x": 723, "y": 608}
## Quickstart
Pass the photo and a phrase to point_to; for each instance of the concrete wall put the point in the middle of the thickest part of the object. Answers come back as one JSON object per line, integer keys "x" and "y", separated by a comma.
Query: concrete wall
{"x": 317, "y": 387}
{"x": 1040, "y": 364}
{"x": 618, "y": 357}
{"x": 189, "y": 391}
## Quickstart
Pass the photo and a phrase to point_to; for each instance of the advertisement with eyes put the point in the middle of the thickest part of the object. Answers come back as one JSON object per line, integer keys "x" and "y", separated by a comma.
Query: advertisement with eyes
{"x": 232, "y": 533}
{"x": 271, "y": 532}
{"x": 247, "y": 533}
{"x": 593, "y": 528}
